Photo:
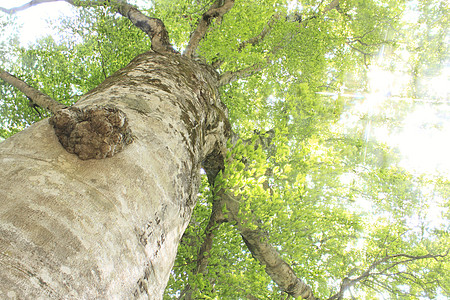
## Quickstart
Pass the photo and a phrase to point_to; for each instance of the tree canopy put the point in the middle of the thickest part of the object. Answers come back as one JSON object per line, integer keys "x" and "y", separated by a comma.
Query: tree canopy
{"x": 304, "y": 174}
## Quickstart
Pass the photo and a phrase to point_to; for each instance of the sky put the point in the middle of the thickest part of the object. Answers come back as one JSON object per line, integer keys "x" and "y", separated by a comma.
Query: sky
{"x": 423, "y": 138}
{"x": 35, "y": 19}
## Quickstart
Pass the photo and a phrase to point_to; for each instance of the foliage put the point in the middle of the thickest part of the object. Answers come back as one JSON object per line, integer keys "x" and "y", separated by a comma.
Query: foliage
{"x": 332, "y": 201}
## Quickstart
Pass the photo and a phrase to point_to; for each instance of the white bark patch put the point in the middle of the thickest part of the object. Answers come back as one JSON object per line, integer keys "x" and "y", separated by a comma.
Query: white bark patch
{"x": 66, "y": 270}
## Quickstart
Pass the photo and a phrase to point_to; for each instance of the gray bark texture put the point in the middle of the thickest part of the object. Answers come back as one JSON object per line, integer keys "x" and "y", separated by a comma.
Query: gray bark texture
{"x": 109, "y": 228}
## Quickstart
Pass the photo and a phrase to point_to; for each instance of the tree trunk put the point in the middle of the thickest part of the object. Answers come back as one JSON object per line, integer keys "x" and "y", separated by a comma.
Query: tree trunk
{"x": 109, "y": 228}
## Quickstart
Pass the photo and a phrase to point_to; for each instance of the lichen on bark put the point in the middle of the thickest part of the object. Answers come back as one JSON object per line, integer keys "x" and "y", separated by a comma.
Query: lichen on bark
{"x": 92, "y": 133}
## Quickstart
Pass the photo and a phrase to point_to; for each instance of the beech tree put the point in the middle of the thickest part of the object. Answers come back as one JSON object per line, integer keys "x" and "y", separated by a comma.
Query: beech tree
{"x": 185, "y": 152}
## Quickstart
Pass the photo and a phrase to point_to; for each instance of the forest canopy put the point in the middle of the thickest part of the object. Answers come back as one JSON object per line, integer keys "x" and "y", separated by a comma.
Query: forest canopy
{"x": 316, "y": 92}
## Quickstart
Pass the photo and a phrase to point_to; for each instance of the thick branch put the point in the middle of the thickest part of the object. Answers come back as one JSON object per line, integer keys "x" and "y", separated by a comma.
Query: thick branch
{"x": 276, "y": 267}
{"x": 153, "y": 27}
{"x": 256, "y": 241}
{"x": 333, "y": 5}
{"x": 33, "y": 94}
{"x": 280, "y": 272}
{"x": 217, "y": 10}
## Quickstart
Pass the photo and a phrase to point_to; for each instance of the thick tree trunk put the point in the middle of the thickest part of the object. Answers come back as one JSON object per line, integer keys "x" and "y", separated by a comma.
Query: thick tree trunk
{"x": 109, "y": 228}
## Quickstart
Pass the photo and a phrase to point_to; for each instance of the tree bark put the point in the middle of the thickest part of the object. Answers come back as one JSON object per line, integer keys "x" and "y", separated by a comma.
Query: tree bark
{"x": 109, "y": 228}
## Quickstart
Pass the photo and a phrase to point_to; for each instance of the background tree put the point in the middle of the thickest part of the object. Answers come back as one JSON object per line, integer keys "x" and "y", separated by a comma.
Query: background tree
{"x": 303, "y": 198}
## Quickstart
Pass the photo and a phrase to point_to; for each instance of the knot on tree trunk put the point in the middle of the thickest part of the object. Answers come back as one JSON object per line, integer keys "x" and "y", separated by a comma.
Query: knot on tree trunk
{"x": 92, "y": 132}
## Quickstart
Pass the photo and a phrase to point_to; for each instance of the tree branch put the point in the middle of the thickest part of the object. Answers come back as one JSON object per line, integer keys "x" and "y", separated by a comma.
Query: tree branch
{"x": 257, "y": 39}
{"x": 231, "y": 76}
{"x": 347, "y": 282}
{"x": 215, "y": 220}
{"x": 217, "y": 10}
{"x": 333, "y": 5}
{"x": 256, "y": 241}
{"x": 28, "y": 5}
{"x": 276, "y": 267}
{"x": 153, "y": 27}
{"x": 365, "y": 54}
{"x": 36, "y": 96}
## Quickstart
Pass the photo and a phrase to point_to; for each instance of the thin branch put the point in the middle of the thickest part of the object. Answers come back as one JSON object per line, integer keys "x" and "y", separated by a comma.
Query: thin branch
{"x": 102, "y": 60}
{"x": 153, "y": 27}
{"x": 231, "y": 76}
{"x": 266, "y": 30}
{"x": 319, "y": 5}
{"x": 365, "y": 34}
{"x": 25, "y": 6}
{"x": 217, "y": 10}
{"x": 36, "y": 96}
{"x": 347, "y": 282}
{"x": 215, "y": 220}
{"x": 365, "y": 54}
